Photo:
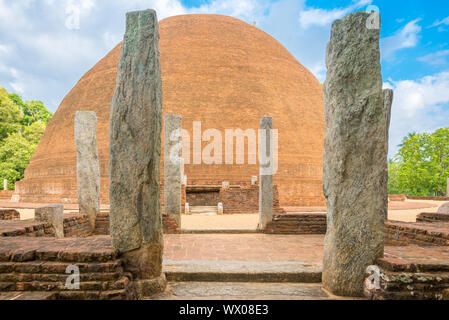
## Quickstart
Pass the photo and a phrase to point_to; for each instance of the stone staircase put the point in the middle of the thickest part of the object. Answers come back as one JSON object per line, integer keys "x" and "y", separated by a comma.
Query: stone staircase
{"x": 204, "y": 210}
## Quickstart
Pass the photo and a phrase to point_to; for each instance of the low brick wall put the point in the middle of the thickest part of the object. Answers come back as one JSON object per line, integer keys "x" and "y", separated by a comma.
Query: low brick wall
{"x": 245, "y": 199}
{"x": 300, "y": 223}
{"x": 39, "y": 265}
{"x": 169, "y": 225}
{"x": 6, "y": 194}
{"x": 9, "y": 214}
{"x": 207, "y": 198}
{"x": 102, "y": 223}
{"x": 397, "y": 197}
{"x": 428, "y": 198}
{"x": 432, "y": 217}
{"x": 76, "y": 226}
{"x": 420, "y": 233}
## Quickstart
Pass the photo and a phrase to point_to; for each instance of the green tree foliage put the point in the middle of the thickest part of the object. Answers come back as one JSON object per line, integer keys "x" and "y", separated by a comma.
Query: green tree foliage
{"x": 10, "y": 115}
{"x": 22, "y": 125}
{"x": 421, "y": 167}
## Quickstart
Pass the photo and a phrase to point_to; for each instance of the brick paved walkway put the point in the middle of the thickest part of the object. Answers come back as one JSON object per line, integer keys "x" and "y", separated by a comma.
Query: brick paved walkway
{"x": 244, "y": 247}
{"x": 211, "y": 247}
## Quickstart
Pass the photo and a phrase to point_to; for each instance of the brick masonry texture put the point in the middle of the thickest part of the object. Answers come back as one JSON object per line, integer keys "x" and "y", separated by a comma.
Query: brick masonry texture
{"x": 421, "y": 233}
{"x": 432, "y": 217}
{"x": 6, "y": 194}
{"x": 428, "y": 198}
{"x": 75, "y": 226}
{"x": 300, "y": 223}
{"x": 397, "y": 197}
{"x": 241, "y": 74}
{"x": 237, "y": 199}
{"x": 413, "y": 273}
{"x": 9, "y": 214}
{"x": 40, "y": 264}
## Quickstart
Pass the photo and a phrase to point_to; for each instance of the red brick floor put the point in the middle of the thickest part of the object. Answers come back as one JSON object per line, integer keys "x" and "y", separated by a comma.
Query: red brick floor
{"x": 244, "y": 247}
{"x": 213, "y": 247}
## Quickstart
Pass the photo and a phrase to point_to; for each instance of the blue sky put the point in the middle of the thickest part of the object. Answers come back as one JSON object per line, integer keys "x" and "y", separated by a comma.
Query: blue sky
{"x": 47, "y": 45}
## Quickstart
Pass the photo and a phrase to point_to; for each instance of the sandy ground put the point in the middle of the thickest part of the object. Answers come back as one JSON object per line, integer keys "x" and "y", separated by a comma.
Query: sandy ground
{"x": 400, "y": 211}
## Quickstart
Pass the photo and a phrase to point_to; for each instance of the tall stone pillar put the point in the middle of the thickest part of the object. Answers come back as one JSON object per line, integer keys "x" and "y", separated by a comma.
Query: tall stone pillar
{"x": 355, "y": 155}
{"x": 265, "y": 172}
{"x": 134, "y": 154}
{"x": 387, "y": 103}
{"x": 5, "y": 184}
{"x": 172, "y": 166}
{"x": 87, "y": 165}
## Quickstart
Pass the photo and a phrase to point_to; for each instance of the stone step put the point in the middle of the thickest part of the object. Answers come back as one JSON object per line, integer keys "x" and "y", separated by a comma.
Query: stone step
{"x": 204, "y": 210}
{"x": 36, "y": 295}
{"x": 242, "y": 291}
{"x": 242, "y": 271}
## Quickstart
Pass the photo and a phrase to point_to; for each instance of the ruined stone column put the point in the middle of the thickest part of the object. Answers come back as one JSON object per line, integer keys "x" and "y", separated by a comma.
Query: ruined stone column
{"x": 355, "y": 155}
{"x": 5, "y": 184}
{"x": 172, "y": 166}
{"x": 87, "y": 165}
{"x": 266, "y": 173}
{"x": 134, "y": 154}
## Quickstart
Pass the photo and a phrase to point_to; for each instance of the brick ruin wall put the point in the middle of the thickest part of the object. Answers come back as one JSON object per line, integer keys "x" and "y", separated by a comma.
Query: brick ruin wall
{"x": 236, "y": 199}
{"x": 5, "y": 195}
{"x": 9, "y": 214}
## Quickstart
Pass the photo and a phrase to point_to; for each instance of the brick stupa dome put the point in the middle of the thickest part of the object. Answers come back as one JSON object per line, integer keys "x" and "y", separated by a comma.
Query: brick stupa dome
{"x": 217, "y": 70}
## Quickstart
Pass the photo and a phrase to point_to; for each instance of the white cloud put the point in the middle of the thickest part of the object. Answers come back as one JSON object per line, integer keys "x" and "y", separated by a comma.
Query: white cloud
{"x": 419, "y": 105}
{"x": 407, "y": 37}
{"x": 436, "y": 58}
{"x": 322, "y": 17}
{"x": 440, "y": 22}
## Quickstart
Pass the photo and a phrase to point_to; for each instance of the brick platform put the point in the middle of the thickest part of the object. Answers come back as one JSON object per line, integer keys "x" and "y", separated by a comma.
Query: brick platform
{"x": 25, "y": 228}
{"x": 421, "y": 233}
{"x": 415, "y": 273}
{"x": 40, "y": 264}
{"x": 432, "y": 217}
{"x": 298, "y": 223}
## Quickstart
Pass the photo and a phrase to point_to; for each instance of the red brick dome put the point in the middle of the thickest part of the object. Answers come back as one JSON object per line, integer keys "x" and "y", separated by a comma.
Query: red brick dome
{"x": 217, "y": 70}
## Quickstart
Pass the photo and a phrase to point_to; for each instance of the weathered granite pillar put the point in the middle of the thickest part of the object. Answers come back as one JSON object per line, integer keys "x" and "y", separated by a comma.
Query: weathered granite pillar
{"x": 5, "y": 184}
{"x": 266, "y": 173}
{"x": 87, "y": 165}
{"x": 387, "y": 104}
{"x": 355, "y": 155}
{"x": 172, "y": 166}
{"x": 53, "y": 214}
{"x": 134, "y": 154}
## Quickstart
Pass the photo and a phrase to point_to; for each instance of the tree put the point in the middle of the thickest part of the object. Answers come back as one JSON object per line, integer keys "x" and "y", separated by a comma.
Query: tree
{"x": 33, "y": 111}
{"x": 10, "y": 115}
{"x": 22, "y": 125}
{"x": 421, "y": 167}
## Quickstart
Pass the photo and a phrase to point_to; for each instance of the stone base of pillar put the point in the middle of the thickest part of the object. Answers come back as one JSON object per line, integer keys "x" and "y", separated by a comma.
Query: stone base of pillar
{"x": 145, "y": 265}
{"x": 149, "y": 287}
